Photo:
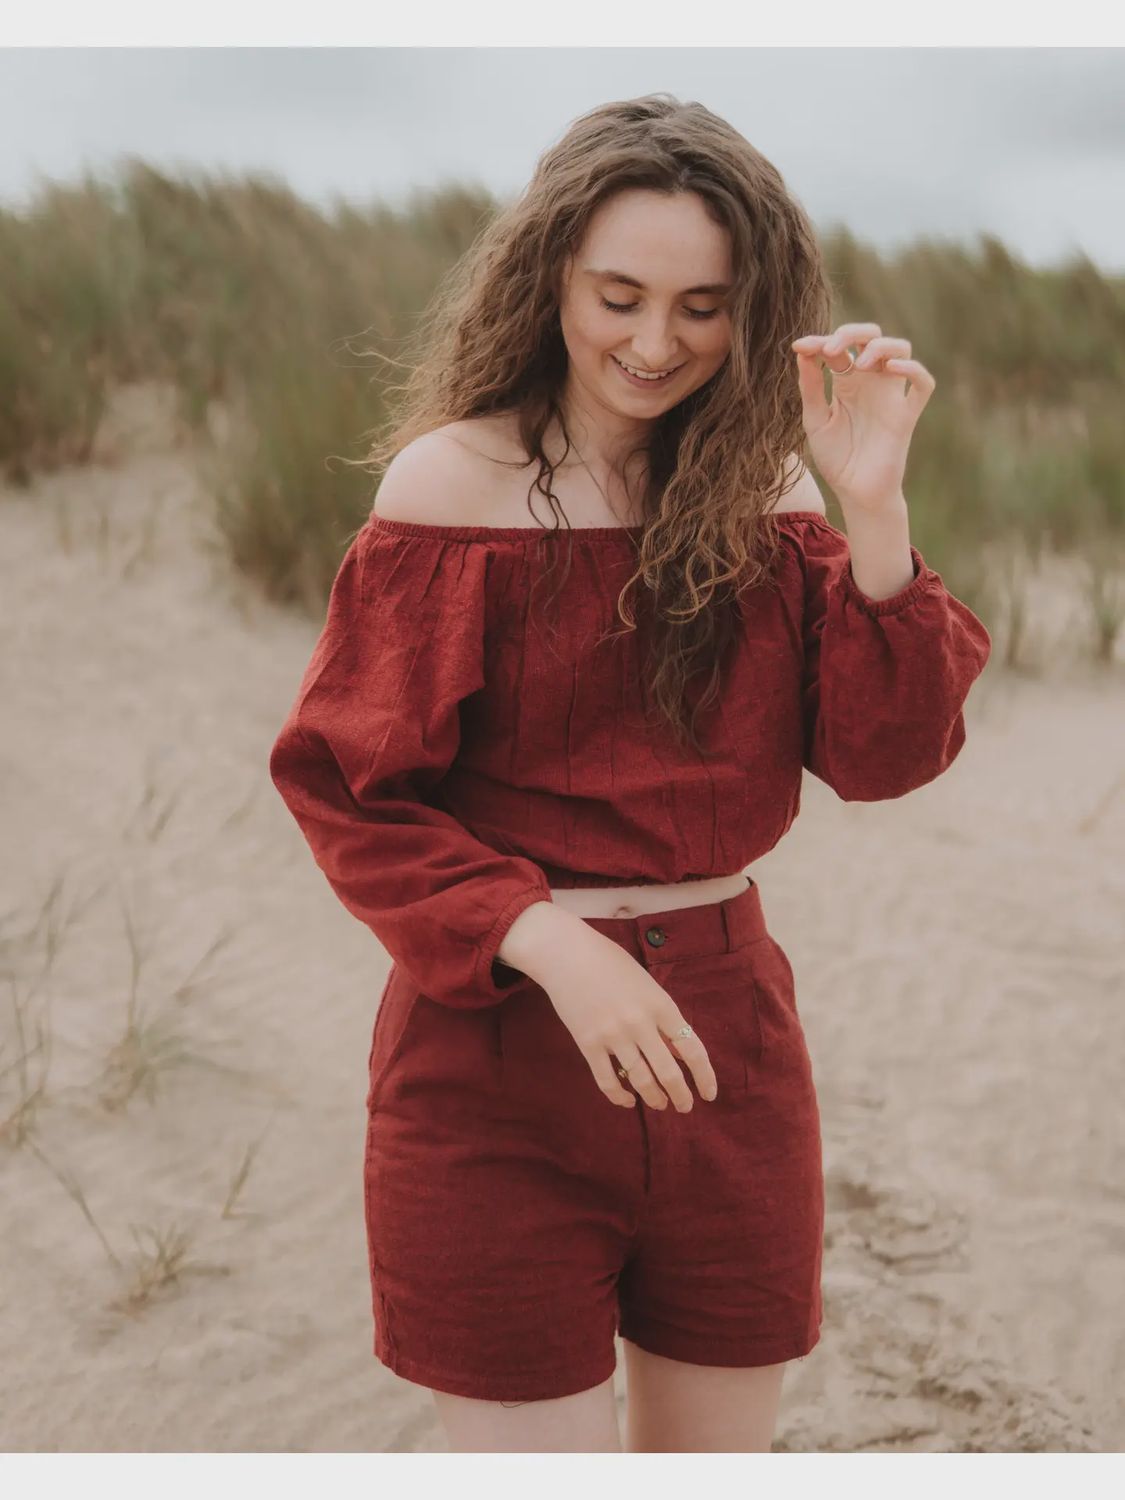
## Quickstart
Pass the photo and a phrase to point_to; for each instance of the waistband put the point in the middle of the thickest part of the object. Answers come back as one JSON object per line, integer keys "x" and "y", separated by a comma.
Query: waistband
{"x": 568, "y": 880}
{"x": 689, "y": 931}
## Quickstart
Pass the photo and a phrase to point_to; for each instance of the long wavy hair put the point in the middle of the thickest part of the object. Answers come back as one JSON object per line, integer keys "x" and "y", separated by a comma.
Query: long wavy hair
{"x": 491, "y": 341}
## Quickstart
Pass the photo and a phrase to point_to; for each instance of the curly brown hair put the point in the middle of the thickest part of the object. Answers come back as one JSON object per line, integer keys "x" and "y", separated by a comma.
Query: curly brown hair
{"x": 491, "y": 342}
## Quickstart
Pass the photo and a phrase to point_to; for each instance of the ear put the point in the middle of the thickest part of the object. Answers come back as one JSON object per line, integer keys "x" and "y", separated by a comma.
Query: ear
{"x": 805, "y": 494}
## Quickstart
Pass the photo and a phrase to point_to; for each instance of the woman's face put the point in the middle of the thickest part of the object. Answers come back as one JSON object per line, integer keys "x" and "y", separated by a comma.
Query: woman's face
{"x": 648, "y": 289}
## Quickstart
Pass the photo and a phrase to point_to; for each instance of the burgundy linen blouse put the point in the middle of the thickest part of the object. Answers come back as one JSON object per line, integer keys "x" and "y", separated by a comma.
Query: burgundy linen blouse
{"x": 447, "y": 769}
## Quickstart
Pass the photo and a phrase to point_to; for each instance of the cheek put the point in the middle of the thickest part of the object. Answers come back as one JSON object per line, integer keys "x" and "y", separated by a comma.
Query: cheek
{"x": 588, "y": 332}
{"x": 713, "y": 344}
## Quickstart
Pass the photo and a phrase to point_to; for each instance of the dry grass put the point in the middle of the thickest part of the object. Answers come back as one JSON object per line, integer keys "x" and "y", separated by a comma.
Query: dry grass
{"x": 150, "y": 1046}
{"x": 161, "y": 1258}
{"x": 30, "y": 1066}
{"x": 259, "y": 311}
{"x": 152, "y": 1042}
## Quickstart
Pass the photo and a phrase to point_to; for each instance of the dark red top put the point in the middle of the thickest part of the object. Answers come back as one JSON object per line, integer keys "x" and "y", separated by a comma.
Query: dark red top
{"x": 447, "y": 768}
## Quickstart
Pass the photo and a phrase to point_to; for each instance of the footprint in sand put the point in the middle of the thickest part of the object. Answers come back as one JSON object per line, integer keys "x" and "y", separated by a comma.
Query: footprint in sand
{"x": 914, "y": 1367}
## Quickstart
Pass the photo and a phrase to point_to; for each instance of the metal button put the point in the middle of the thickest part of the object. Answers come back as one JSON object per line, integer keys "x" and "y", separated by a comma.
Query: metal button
{"x": 656, "y": 936}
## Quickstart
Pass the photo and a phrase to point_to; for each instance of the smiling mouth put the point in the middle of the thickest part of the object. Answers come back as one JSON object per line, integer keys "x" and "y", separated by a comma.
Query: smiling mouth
{"x": 647, "y": 376}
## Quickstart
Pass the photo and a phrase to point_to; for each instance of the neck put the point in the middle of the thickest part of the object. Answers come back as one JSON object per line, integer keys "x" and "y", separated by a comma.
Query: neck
{"x": 606, "y": 438}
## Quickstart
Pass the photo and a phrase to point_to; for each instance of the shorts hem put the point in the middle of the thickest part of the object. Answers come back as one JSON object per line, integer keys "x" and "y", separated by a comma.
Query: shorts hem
{"x": 662, "y": 1339}
{"x": 544, "y": 1385}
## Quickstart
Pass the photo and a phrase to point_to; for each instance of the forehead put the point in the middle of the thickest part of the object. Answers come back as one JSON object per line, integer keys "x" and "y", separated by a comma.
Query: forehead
{"x": 667, "y": 242}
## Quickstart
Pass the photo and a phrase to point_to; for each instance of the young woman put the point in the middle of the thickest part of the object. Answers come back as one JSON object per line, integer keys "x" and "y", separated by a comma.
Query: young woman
{"x": 591, "y": 1109}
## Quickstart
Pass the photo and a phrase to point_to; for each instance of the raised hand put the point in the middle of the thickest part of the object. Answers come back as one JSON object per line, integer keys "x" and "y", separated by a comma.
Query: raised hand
{"x": 860, "y": 439}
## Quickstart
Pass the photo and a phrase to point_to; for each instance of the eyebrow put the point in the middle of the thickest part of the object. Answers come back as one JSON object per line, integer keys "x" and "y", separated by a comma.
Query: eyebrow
{"x": 712, "y": 286}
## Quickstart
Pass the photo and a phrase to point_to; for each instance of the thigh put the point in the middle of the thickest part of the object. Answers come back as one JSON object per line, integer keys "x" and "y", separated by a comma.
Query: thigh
{"x": 583, "y": 1423}
{"x": 676, "y": 1407}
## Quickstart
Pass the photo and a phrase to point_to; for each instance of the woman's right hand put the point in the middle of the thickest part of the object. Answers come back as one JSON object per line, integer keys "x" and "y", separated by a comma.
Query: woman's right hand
{"x": 614, "y": 1009}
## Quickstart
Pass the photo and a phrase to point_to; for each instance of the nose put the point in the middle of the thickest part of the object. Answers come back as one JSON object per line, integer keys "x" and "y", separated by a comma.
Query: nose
{"x": 654, "y": 345}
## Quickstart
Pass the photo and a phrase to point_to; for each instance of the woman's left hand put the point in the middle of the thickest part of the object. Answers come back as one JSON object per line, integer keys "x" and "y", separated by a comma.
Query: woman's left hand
{"x": 860, "y": 441}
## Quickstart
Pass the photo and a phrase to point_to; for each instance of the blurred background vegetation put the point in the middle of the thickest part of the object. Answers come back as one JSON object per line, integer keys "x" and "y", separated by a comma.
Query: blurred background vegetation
{"x": 241, "y": 296}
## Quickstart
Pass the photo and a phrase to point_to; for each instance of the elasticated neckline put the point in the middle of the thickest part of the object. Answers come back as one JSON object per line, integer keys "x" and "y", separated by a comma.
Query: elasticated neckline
{"x": 457, "y": 533}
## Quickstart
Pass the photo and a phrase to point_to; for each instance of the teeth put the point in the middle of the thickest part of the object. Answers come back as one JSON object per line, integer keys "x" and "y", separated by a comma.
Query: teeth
{"x": 643, "y": 374}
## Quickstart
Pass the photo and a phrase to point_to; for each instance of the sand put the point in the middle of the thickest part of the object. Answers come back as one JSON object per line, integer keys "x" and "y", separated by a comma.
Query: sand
{"x": 183, "y": 1266}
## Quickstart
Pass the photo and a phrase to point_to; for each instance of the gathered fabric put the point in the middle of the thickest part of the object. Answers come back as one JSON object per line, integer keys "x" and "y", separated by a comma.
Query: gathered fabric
{"x": 449, "y": 762}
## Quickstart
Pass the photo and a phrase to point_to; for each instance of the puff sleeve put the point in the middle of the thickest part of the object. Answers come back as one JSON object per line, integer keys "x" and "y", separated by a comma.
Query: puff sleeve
{"x": 375, "y": 725}
{"x": 885, "y": 680}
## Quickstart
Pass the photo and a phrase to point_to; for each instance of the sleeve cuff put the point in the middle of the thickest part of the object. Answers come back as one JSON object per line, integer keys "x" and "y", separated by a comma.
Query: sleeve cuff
{"x": 493, "y": 977}
{"x": 923, "y": 581}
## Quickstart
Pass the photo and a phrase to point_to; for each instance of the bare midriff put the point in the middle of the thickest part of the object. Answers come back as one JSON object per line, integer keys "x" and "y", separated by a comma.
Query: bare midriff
{"x": 640, "y": 900}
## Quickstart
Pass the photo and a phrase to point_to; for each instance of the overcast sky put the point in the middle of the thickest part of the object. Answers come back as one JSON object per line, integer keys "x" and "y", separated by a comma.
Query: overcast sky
{"x": 1028, "y": 144}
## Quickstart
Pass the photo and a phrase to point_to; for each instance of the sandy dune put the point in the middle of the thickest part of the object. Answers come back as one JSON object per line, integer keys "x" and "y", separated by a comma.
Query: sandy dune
{"x": 960, "y": 969}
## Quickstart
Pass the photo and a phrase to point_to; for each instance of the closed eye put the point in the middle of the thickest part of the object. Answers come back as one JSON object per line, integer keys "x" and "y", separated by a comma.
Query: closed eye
{"x": 624, "y": 307}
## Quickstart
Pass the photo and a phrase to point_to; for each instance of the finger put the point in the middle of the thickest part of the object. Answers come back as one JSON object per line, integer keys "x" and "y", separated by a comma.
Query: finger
{"x": 669, "y": 1075}
{"x": 882, "y": 349}
{"x": 810, "y": 382}
{"x": 605, "y": 1075}
{"x": 641, "y": 1075}
{"x": 859, "y": 334}
{"x": 922, "y": 383}
{"x": 917, "y": 372}
{"x": 809, "y": 348}
{"x": 693, "y": 1054}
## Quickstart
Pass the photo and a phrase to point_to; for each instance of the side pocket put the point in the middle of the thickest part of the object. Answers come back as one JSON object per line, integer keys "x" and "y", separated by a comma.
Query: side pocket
{"x": 756, "y": 1049}
{"x": 392, "y": 1024}
{"x": 779, "y": 1024}
{"x": 790, "y": 978}
{"x": 379, "y": 1013}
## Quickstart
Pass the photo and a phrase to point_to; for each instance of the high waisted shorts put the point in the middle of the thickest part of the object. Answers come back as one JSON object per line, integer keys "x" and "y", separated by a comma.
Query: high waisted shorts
{"x": 517, "y": 1220}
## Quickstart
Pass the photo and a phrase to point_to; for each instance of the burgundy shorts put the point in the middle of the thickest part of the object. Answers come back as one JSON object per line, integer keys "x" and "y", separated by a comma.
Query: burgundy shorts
{"x": 517, "y": 1220}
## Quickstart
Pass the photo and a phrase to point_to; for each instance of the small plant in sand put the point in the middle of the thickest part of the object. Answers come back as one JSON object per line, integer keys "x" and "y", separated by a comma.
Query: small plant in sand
{"x": 27, "y": 957}
{"x": 198, "y": 977}
{"x": 152, "y": 812}
{"x": 147, "y": 1049}
{"x": 57, "y": 914}
{"x": 238, "y": 1182}
{"x": 160, "y": 1259}
{"x": 73, "y": 1190}
{"x": 150, "y": 1045}
{"x": 29, "y": 1067}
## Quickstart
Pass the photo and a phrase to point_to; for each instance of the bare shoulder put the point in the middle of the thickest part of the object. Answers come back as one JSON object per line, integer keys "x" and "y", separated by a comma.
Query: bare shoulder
{"x": 448, "y": 477}
{"x": 805, "y": 494}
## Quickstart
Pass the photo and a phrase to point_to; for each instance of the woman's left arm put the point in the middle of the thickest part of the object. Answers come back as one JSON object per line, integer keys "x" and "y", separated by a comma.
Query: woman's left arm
{"x": 890, "y": 654}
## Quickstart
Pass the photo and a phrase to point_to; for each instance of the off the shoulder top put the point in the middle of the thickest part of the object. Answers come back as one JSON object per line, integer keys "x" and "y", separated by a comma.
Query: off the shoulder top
{"x": 447, "y": 768}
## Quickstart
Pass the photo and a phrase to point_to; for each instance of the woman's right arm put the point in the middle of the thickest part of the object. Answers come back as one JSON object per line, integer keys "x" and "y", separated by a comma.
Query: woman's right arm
{"x": 374, "y": 727}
